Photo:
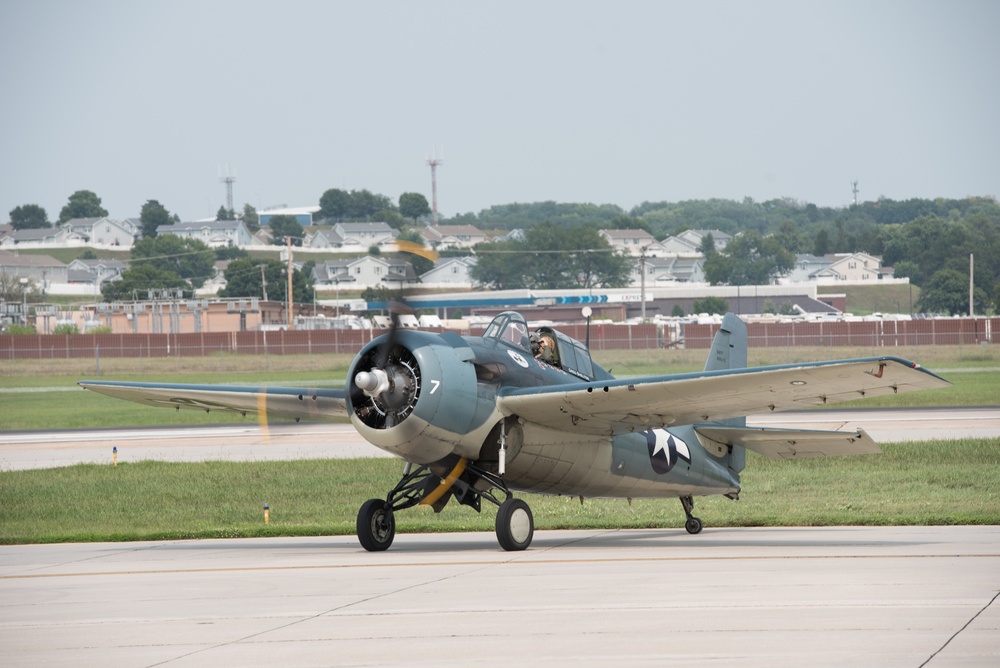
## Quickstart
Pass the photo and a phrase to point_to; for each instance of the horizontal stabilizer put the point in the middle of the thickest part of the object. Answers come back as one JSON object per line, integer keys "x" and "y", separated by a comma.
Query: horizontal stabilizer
{"x": 791, "y": 443}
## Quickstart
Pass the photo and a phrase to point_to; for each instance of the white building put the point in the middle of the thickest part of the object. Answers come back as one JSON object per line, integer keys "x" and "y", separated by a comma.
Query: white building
{"x": 103, "y": 231}
{"x": 364, "y": 272}
{"x": 214, "y": 233}
{"x": 450, "y": 272}
{"x": 439, "y": 237}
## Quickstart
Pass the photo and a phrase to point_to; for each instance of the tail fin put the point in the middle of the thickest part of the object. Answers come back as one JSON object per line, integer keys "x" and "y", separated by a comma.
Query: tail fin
{"x": 729, "y": 351}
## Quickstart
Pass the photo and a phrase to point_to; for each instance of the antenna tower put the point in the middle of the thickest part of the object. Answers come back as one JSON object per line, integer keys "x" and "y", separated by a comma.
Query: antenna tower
{"x": 229, "y": 180}
{"x": 854, "y": 189}
{"x": 434, "y": 161}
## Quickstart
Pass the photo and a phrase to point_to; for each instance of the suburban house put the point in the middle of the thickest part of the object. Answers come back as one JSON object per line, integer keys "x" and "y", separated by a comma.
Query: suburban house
{"x": 630, "y": 242}
{"x": 364, "y": 272}
{"x": 855, "y": 267}
{"x": 688, "y": 243}
{"x": 42, "y": 237}
{"x": 666, "y": 271}
{"x": 215, "y": 233}
{"x": 357, "y": 236}
{"x": 450, "y": 272}
{"x": 103, "y": 231}
{"x": 439, "y": 237}
{"x": 41, "y": 270}
{"x": 94, "y": 272}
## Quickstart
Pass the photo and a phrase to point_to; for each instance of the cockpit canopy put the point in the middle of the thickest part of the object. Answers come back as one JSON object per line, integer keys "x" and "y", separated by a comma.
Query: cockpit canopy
{"x": 570, "y": 356}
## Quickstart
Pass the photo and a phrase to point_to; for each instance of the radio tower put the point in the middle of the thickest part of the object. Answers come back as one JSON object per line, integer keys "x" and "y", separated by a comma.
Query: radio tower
{"x": 854, "y": 189}
{"x": 229, "y": 180}
{"x": 434, "y": 161}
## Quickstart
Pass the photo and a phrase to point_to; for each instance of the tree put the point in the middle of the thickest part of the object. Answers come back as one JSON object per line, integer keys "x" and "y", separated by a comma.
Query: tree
{"x": 82, "y": 204}
{"x": 225, "y": 214}
{"x": 413, "y": 205}
{"x": 366, "y": 204}
{"x": 250, "y": 218}
{"x": 552, "y": 257}
{"x": 821, "y": 244}
{"x": 947, "y": 291}
{"x": 137, "y": 281}
{"x": 286, "y": 226}
{"x": 152, "y": 216}
{"x": 243, "y": 279}
{"x": 748, "y": 259}
{"x": 29, "y": 216}
{"x": 707, "y": 245}
{"x": 188, "y": 258}
{"x": 335, "y": 204}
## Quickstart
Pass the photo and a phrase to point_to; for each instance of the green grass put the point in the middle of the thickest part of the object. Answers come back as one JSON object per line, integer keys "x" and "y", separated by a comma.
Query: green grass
{"x": 953, "y": 482}
{"x": 868, "y": 299}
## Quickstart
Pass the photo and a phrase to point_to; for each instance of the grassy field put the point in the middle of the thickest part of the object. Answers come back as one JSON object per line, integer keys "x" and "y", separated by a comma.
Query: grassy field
{"x": 868, "y": 299}
{"x": 906, "y": 484}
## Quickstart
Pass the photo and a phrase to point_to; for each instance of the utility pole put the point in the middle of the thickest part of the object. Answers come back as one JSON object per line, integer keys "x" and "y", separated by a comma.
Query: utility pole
{"x": 972, "y": 285}
{"x": 291, "y": 302}
{"x": 434, "y": 161}
{"x": 642, "y": 282}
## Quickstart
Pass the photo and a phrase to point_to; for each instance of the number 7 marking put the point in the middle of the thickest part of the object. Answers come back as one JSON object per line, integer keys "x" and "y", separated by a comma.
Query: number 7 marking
{"x": 435, "y": 384}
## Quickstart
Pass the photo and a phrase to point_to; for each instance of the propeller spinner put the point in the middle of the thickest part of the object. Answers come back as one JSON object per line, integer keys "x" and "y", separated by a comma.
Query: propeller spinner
{"x": 389, "y": 388}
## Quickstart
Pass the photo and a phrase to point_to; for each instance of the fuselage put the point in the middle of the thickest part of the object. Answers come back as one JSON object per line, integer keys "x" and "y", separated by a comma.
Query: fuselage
{"x": 452, "y": 384}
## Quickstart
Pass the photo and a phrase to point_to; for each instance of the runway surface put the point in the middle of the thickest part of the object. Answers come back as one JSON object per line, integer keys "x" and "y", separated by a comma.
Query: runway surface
{"x": 898, "y": 596}
{"x": 249, "y": 442}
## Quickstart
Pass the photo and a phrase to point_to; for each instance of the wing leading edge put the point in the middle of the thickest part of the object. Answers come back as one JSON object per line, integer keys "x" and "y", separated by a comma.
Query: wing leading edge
{"x": 661, "y": 401}
{"x": 276, "y": 402}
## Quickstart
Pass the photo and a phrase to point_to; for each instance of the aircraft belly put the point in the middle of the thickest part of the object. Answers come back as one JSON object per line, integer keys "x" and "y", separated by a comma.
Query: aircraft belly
{"x": 555, "y": 462}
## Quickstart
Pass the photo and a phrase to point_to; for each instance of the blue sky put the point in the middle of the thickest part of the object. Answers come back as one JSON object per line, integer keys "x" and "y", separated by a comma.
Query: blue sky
{"x": 577, "y": 101}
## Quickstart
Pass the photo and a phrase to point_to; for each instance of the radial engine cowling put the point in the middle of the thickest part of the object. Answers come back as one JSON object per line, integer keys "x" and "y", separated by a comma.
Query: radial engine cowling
{"x": 414, "y": 394}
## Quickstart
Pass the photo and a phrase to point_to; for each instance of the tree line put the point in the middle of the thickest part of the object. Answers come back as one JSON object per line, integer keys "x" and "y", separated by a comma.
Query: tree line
{"x": 927, "y": 240}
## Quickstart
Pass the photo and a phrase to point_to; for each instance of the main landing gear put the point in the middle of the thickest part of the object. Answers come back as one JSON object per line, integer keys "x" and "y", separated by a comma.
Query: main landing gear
{"x": 434, "y": 485}
{"x": 693, "y": 524}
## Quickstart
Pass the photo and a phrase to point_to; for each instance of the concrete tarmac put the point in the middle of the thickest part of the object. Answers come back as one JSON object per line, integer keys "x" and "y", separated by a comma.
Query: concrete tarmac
{"x": 844, "y": 596}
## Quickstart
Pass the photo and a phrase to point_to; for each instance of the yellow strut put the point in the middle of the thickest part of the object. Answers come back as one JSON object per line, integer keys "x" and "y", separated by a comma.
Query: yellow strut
{"x": 446, "y": 484}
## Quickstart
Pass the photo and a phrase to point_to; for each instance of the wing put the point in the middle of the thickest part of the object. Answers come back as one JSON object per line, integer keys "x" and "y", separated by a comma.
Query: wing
{"x": 276, "y": 402}
{"x": 792, "y": 443}
{"x": 612, "y": 407}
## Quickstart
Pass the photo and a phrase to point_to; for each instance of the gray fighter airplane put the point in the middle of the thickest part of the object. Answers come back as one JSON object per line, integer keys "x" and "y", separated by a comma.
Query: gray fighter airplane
{"x": 478, "y": 418}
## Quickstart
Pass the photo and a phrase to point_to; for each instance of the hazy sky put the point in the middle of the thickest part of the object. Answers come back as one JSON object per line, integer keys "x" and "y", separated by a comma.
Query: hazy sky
{"x": 573, "y": 101}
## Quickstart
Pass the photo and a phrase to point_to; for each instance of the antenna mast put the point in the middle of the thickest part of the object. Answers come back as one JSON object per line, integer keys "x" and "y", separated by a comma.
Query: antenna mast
{"x": 854, "y": 189}
{"x": 434, "y": 161}
{"x": 229, "y": 180}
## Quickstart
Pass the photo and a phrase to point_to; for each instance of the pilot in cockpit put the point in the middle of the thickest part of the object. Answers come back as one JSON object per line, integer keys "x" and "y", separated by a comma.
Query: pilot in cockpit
{"x": 543, "y": 347}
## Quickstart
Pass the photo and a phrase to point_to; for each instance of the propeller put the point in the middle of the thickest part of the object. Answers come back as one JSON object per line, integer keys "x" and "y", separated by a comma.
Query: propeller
{"x": 389, "y": 377}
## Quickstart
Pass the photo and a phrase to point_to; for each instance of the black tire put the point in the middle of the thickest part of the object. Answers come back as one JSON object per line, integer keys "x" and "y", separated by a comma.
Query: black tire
{"x": 515, "y": 525}
{"x": 376, "y": 525}
{"x": 693, "y": 525}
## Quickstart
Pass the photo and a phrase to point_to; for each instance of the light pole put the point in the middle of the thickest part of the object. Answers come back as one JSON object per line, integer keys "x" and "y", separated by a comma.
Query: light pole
{"x": 24, "y": 299}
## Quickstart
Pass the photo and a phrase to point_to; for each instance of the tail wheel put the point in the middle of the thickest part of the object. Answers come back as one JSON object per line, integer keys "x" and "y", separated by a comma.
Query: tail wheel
{"x": 376, "y": 525}
{"x": 515, "y": 525}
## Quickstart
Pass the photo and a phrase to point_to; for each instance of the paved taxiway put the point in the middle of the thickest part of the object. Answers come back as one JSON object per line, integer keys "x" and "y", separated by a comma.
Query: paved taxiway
{"x": 249, "y": 442}
{"x": 885, "y": 596}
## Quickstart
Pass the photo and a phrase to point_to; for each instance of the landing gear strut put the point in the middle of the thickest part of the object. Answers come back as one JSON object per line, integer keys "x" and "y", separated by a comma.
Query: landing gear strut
{"x": 693, "y": 524}
{"x": 376, "y": 523}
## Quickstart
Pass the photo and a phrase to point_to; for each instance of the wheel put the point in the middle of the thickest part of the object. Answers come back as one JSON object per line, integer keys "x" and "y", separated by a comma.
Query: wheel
{"x": 515, "y": 525}
{"x": 376, "y": 525}
{"x": 693, "y": 525}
